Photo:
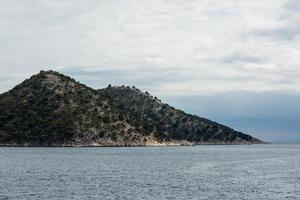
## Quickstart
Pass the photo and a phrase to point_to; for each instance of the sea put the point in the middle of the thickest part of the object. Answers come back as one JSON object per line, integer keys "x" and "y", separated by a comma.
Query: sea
{"x": 229, "y": 172}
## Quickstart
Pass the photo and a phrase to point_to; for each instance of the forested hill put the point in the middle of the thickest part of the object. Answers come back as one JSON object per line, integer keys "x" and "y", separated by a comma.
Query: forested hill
{"x": 51, "y": 109}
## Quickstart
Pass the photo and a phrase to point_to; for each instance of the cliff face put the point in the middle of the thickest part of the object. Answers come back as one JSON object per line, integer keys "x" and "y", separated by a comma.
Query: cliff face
{"x": 51, "y": 109}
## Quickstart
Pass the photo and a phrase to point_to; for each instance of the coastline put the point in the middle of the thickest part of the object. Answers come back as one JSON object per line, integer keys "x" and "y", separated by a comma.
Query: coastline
{"x": 130, "y": 145}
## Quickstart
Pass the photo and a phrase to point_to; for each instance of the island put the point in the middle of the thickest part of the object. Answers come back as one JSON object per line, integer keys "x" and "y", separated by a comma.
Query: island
{"x": 51, "y": 109}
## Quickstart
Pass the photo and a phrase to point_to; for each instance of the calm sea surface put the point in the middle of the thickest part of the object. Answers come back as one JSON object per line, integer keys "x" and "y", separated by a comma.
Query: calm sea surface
{"x": 200, "y": 172}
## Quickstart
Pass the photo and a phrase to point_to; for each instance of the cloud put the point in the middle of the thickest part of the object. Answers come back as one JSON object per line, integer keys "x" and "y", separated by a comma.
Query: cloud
{"x": 145, "y": 78}
{"x": 284, "y": 32}
{"x": 177, "y": 48}
{"x": 292, "y": 5}
{"x": 238, "y": 58}
{"x": 285, "y": 26}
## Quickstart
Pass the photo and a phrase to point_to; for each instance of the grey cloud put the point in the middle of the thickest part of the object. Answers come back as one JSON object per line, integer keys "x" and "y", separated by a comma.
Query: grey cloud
{"x": 239, "y": 58}
{"x": 288, "y": 18}
{"x": 286, "y": 32}
{"x": 5, "y": 78}
{"x": 173, "y": 42}
{"x": 222, "y": 12}
{"x": 293, "y": 5}
{"x": 145, "y": 78}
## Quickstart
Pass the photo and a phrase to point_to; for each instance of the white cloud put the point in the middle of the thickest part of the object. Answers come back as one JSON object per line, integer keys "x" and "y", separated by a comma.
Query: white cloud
{"x": 168, "y": 47}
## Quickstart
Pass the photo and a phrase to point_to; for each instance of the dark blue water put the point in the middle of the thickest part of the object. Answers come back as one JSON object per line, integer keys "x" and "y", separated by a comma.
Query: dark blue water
{"x": 198, "y": 172}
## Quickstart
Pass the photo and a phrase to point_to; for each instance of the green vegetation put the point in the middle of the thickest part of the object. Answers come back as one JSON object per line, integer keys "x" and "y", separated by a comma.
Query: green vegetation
{"x": 53, "y": 109}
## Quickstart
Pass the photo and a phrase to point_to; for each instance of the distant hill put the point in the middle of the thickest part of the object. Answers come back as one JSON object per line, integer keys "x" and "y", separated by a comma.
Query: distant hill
{"x": 51, "y": 109}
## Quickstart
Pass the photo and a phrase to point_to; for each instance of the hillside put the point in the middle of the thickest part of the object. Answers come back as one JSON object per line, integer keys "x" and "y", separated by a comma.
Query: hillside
{"x": 51, "y": 109}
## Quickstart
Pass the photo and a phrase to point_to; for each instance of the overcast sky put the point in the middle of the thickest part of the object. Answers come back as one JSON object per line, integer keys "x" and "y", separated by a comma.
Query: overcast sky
{"x": 236, "y": 62}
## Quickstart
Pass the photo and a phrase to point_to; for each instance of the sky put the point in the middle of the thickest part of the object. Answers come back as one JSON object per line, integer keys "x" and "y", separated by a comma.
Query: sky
{"x": 234, "y": 62}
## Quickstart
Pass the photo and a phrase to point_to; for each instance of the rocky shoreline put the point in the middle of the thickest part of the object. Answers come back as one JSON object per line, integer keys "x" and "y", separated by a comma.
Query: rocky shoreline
{"x": 171, "y": 144}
